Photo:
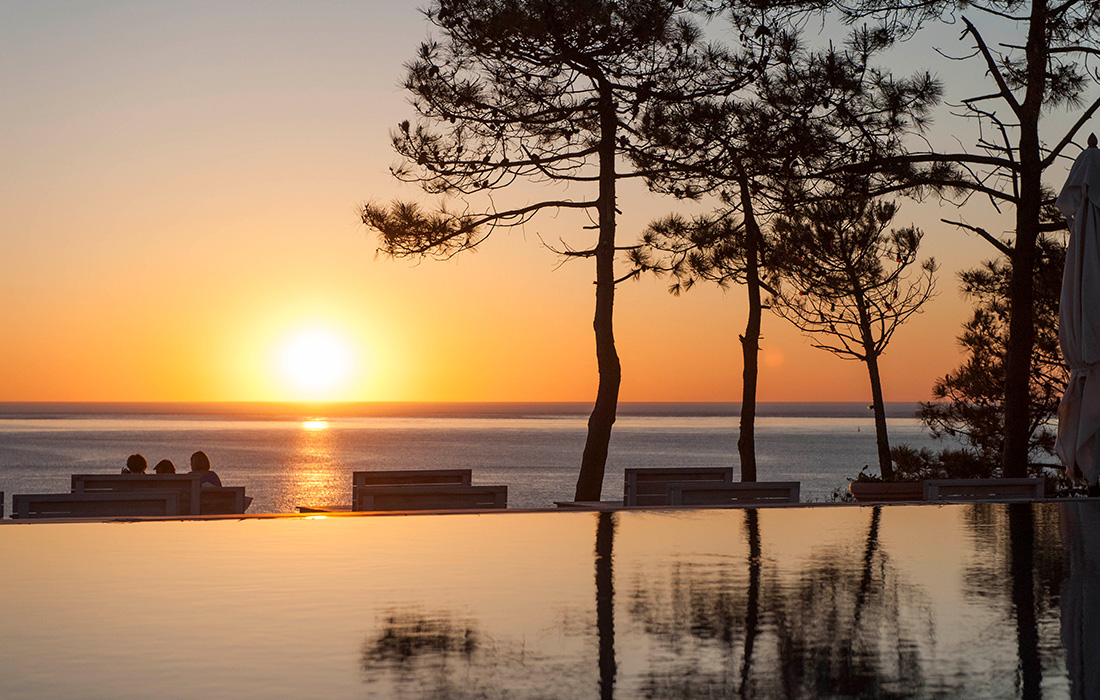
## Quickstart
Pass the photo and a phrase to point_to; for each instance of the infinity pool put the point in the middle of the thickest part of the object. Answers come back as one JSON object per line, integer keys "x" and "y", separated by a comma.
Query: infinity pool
{"x": 958, "y": 601}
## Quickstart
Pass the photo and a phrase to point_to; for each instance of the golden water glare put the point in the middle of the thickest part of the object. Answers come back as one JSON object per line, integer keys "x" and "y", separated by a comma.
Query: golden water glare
{"x": 316, "y": 476}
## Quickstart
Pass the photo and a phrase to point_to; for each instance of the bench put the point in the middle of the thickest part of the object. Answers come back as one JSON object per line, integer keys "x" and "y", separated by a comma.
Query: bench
{"x": 194, "y": 498}
{"x": 395, "y": 477}
{"x": 887, "y": 491}
{"x": 408, "y": 477}
{"x": 430, "y": 497}
{"x": 743, "y": 493}
{"x": 95, "y": 505}
{"x": 649, "y": 486}
{"x": 983, "y": 489}
{"x": 223, "y": 500}
{"x": 186, "y": 486}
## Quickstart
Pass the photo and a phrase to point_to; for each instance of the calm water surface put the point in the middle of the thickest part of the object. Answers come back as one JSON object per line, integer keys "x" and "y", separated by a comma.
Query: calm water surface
{"x": 286, "y": 458}
{"x": 956, "y": 601}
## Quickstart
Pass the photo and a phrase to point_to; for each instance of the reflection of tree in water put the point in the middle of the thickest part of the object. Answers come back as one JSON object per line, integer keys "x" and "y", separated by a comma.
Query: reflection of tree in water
{"x": 408, "y": 640}
{"x": 849, "y": 630}
{"x": 992, "y": 527}
{"x": 423, "y": 655}
{"x": 1016, "y": 573}
{"x": 841, "y": 628}
{"x": 416, "y": 654}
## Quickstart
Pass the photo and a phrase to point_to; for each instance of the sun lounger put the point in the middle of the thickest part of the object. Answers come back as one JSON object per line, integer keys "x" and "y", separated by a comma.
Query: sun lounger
{"x": 430, "y": 497}
{"x": 408, "y": 477}
{"x": 95, "y": 505}
{"x": 983, "y": 489}
{"x": 649, "y": 486}
{"x": 739, "y": 494}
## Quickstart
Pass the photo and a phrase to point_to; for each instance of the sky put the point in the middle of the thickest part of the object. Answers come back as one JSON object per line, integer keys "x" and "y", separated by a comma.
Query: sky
{"x": 178, "y": 222}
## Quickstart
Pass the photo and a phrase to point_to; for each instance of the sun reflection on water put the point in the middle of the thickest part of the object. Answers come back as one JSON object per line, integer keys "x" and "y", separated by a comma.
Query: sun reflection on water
{"x": 317, "y": 479}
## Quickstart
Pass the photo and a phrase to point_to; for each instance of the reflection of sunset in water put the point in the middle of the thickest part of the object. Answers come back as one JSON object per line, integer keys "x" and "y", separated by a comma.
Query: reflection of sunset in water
{"x": 781, "y": 602}
{"x": 317, "y": 479}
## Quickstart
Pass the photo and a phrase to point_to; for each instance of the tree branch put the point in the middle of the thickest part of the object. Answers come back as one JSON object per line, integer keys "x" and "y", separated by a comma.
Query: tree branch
{"x": 990, "y": 238}
{"x": 994, "y": 69}
{"x": 1068, "y": 138}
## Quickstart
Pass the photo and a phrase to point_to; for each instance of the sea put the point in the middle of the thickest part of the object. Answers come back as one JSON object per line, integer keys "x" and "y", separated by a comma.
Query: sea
{"x": 291, "y": 455}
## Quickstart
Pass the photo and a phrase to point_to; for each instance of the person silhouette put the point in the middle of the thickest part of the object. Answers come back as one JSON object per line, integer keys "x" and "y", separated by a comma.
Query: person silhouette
{"x": 201, "y": 463}
{"x": 135, "y": 464}
{"x": 165, "y": 466}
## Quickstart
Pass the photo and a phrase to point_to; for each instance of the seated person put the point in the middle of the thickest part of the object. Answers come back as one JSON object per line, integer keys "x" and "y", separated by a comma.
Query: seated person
{"x": 201, "y": 463}
{"x": 135, "y": 464}
{"x": 165, "y": 466}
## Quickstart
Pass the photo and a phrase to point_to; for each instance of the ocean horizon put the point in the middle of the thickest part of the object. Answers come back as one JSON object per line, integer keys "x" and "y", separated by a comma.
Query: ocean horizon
{"x": 289, "y": 455}
{"x": 847, "y": 409}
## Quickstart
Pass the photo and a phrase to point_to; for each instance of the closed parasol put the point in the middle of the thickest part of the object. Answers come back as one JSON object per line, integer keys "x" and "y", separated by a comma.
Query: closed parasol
{"x": 1078, "y": 444}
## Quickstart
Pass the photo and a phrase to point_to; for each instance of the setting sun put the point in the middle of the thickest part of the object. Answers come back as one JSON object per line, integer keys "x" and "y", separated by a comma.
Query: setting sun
{"x": 316, "y": 363}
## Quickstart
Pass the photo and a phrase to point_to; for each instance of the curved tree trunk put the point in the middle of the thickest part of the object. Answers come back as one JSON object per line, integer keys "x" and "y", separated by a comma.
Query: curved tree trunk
{"x": 750, "y": 341}
{"x": 590, "y": 479}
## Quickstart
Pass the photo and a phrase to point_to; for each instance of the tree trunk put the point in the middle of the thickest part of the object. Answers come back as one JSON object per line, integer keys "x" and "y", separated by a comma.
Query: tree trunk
{"x": 605, "y": 603}
{"x": 750, "y": 341}
{"x": 1021, "y": 529}
{"x": 870, "y": 358}
{"x": 1021, "y": 341}
{"x": 590, "y": 479}
{"x": 1021, "y": 328}
{"x": 868, "y": 577}
{"x": 752, "y": 604}
{"x": 884, "y": 465}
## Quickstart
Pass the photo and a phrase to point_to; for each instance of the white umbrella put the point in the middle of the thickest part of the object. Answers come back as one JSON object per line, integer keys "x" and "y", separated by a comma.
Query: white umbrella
{"x": 1078, "y": 444}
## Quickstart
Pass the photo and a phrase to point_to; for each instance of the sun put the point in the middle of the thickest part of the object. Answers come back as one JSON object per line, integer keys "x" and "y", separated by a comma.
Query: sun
{"x": 316, "y": 363}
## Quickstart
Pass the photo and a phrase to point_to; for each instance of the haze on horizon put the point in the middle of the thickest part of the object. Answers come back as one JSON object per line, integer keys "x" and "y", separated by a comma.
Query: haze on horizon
{"x": 179, "y": 213}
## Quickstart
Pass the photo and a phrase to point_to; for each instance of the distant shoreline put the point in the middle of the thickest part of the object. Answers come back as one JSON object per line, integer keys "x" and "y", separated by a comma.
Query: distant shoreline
{"x": 481, "y": 409}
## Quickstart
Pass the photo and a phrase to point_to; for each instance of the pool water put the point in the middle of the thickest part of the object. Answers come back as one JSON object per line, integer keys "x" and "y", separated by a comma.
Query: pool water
{"x": 968, "y": 601}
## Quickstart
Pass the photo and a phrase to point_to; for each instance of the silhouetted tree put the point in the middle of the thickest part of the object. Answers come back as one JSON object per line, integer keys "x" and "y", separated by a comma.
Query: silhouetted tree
{"x": 544, "y": 91}
{"x": 847, "y": 283}
{"x": 760, "y": 151}
{"x": 969, "y": 401}
{"x": 1050, "y": 65}
{"x": 725, "y": 249}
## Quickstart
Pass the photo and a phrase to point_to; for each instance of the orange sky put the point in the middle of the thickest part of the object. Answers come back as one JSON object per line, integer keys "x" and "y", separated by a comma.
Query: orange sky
{"x": 179, "y": 200}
